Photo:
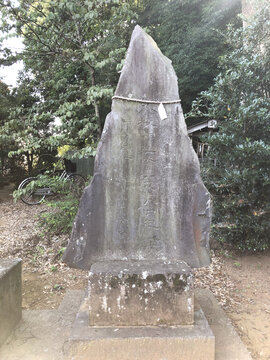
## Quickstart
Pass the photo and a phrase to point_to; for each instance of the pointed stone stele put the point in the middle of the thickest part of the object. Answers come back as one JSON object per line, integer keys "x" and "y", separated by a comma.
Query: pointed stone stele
{"x": 146, "y": 200}
{"x": 145, "y": 218}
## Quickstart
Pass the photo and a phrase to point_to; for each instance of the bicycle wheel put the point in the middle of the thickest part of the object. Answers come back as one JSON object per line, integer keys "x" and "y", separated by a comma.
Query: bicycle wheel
{"x": 77, "y": 184}
{"x": 31, "y": 196}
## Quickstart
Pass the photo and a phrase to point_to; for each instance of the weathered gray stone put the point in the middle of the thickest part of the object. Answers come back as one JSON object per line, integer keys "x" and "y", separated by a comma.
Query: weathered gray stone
{"x": 188, "y": 342}
{"x": 140, "y": 293}
{"x": 147, "y": 200}
{"x": 45, "y": 335}
{"x": 42, "y": 334}
{"x": 10, "y": 296}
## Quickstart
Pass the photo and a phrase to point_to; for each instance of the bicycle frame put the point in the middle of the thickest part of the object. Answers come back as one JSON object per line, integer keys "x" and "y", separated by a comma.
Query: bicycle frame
{"x": 42, "y": 192}
{"x": 48, "y": 191}
{"x": 64, "y": 175}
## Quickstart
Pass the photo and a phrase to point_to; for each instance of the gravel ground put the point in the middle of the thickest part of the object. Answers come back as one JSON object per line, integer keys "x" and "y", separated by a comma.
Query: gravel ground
{"x": 45, "y": 277}
{"x": 20, "y": 237}
{"x": 239, "y": 282}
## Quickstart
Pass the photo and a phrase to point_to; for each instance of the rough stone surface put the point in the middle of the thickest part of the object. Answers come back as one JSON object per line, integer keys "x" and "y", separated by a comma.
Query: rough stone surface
{"x": 123, "y": 293}
{"x": 42, "y": 334}
{"x": 45, "y": 334}
{"x": 135, "y": 343}
{"x": 10, "y": 296}
{"x": 146, "y": 200}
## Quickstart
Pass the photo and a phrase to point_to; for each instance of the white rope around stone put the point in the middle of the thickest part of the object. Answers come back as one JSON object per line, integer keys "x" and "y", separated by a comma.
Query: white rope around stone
{"x": 161, "y": 109}
{"x": 146, "y": 101}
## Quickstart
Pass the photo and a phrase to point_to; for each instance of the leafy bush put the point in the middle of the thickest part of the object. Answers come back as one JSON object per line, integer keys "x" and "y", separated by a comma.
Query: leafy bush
{"x": 58, "y": 186}
{"x": 59, "y": 219}
{"x": 62, "y": 207}
{"x": 240, "y": 101}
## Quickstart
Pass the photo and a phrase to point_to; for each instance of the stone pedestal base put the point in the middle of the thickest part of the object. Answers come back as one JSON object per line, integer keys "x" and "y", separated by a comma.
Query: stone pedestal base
{"x": 140, "y": 310}
{"x": 10, "y": 296}
{"x": 187, "y": 342}
{"x": 140, "y": 293}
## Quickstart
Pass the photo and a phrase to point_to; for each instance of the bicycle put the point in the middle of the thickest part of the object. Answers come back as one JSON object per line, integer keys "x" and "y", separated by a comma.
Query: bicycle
{"x": 34, "y": 195}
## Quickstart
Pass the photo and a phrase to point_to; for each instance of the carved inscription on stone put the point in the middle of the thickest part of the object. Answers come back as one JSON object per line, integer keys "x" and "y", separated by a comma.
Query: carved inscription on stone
{"x": 147, "y": 200}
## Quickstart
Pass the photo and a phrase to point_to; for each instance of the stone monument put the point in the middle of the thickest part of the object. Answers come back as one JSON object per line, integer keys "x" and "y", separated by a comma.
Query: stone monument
{"x": 147, "y": 200}
{"x": 143, "y": 223}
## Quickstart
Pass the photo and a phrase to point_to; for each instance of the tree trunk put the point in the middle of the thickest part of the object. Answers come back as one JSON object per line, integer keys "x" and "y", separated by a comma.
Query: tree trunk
{"x": 93, "y": 81}
{"x": 29, "y": 158}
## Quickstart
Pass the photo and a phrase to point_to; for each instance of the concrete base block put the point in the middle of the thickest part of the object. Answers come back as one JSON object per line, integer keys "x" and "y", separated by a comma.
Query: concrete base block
{"x": 140, "y": 293}
{"x": 10, "y": 296}
{"x": 187, "y": 342}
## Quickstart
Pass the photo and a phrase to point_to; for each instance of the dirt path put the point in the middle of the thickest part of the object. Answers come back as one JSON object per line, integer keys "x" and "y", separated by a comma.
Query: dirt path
{"x": 251, "y": 316}
{"x": 241, "y": 284}
{"x": 45, "y": 277}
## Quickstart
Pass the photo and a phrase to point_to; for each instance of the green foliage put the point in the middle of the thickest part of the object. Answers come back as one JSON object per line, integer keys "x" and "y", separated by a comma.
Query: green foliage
{"x": 189, "y": 33}
{"x": 71, "y": 52}
{"x": 5, "y": 104}
{"x": 59, "y": 216}
{"x": 58, "y": 186}
{"x": 8, "y": 166}
{"x": 26, "y": 128}
{"x": 240, "y": 101}
{"x": 59, "y": 219}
